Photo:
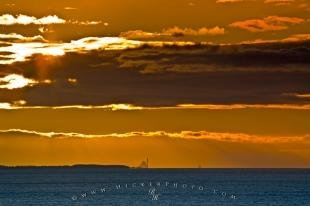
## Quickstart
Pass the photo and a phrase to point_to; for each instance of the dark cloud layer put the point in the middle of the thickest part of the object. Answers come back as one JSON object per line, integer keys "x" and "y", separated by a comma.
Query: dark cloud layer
{"x": 169, "y": 75}
{"x": 214, "y": 58}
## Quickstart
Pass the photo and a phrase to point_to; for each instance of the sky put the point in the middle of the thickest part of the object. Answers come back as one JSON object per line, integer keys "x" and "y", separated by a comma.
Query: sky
{"x": 217, "y": 83}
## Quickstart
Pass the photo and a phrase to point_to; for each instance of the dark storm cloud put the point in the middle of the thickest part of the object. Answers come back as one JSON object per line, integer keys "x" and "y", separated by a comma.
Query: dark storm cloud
{"x": 169, "y": 75}
{"x": 287, "y": 57}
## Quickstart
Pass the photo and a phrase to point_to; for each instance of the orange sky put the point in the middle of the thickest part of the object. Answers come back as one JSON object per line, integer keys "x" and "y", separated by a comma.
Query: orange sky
{"x": 162, "y": 152}
{"x": 169, "y": 137}
{"x": 215, "y": 83}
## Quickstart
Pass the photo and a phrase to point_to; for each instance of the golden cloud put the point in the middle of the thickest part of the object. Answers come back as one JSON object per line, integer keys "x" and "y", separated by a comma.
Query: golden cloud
{"x": 20, "y": 38}
{"x": 15, "y": 81}
{"x": 18, "y": 48}
{"x": 230, "y": 1}
{"x": 298, "y": 95}
{"x": 69, "y": 8}
{"x": 276, "y": 2}
{"x": 8, "y": 106}
{"x": 112, "y": 107}
{"x": 17, "y": 52}
{"x": 243, "y": 106}
{"x": 72, "y": 81}
{"x": 22, "y": 51}
{"x": 270, "y": 23}
{"x": 174, "y": 32}
{"x": 8, "y": 19}
{"x": 5, "y": 105}
{"x": 195, "y": 135}
{"x": 297, "y": 37}
{"x": 292, "y": 38}
{"x": 279, "y": 2}
{"x": 116, "y": 107}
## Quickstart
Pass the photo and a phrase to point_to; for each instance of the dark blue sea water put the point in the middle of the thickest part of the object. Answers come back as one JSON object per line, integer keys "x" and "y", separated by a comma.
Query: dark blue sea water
{"x": 97, "y": 186}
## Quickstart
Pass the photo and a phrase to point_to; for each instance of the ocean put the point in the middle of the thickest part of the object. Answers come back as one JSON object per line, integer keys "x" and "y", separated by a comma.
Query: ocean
{"x": 102, "y": 186}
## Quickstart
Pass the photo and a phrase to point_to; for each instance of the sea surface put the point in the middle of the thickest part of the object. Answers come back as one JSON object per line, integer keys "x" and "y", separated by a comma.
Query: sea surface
{"x": 100, "y": 186}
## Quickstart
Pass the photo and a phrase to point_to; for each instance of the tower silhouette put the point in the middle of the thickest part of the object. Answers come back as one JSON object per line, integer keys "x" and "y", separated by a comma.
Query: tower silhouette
{"x": 144, "y": 163}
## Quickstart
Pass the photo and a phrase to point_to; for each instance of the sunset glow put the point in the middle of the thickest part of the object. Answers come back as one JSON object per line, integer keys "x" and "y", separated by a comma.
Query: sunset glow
{"x": 222, "y": 83}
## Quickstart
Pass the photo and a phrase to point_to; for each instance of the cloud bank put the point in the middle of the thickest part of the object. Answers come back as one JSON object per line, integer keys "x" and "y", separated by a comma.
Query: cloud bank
{"x": 152, "y": 73}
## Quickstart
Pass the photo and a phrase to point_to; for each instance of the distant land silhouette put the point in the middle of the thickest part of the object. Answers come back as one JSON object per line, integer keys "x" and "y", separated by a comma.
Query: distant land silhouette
{"x": 71, "y": 166}
{"x": 143, "y": 165}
